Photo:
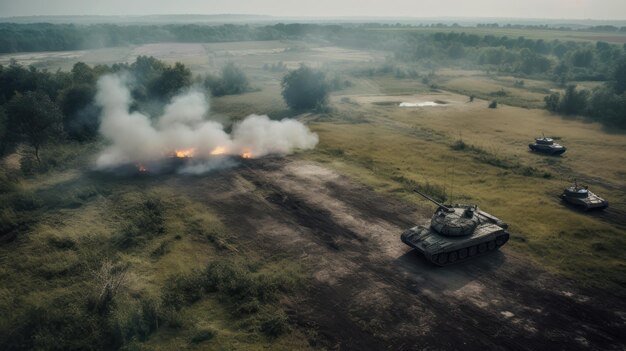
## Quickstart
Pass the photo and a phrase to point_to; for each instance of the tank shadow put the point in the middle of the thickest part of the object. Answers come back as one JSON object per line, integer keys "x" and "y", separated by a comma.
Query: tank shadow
{"x": 452, "y": 277}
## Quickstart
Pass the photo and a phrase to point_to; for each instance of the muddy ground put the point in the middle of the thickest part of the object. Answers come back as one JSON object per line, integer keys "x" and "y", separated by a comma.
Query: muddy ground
{"x": 371, "y": 292}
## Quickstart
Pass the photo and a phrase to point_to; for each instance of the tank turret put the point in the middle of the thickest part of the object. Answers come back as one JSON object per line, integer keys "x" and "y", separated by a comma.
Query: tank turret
{"x": 456, "y": 233}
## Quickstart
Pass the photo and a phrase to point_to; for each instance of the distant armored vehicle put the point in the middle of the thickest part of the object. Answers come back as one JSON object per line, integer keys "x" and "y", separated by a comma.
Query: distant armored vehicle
{"x": 547, "y": 146}
{"x": 581, "y": 196}
{"x": 456, "y": 233}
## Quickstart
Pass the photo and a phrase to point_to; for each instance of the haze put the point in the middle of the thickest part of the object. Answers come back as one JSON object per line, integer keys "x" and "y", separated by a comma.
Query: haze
{"x": 557, "y": 9}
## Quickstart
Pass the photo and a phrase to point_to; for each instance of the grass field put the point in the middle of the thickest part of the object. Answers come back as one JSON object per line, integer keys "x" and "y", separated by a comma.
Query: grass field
{"x": 395, "y": 150}
{"x": 82, "y": 220}
{"x": 370, "y": 138}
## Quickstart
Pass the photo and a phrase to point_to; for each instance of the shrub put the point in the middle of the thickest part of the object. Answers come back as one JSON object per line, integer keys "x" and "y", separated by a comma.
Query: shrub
{"x": 109, "y": 280}
{"x": 202, "y": 335}
{"x": 274, "y": 324}
{"x": 136, "y": 320}
{"x": 552, "y": 101}
{"x": 493, "y": 104}
{"x": 574, "y": 101}
{"x": 305, "y": 88}
{"x": 232, "y": 81}
{"x": 183, "y": 290}
{"x": 145, "y": 221}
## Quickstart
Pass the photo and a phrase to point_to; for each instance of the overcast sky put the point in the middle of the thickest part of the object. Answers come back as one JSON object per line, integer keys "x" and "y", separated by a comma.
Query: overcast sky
{"x": 576, "y": 9}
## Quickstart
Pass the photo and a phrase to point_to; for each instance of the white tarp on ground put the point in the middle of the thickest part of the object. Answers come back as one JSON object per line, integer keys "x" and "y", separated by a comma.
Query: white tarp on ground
{"x": 421, "y": 104}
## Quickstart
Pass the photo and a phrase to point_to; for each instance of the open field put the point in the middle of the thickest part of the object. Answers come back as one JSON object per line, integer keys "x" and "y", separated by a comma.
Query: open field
{"x": 314, "y": 237}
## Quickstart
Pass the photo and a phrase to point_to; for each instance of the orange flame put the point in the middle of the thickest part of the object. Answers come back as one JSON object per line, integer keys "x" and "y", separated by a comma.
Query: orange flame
{"x": 184, "y": 153}
{"x": 141, "y": 168}
{"x": 246, "y": 154}
{"x": 220, "y": 150}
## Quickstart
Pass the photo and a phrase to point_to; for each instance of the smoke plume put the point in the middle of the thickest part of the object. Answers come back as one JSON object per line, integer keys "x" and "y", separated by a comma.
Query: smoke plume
{"x": 185, "y": 129}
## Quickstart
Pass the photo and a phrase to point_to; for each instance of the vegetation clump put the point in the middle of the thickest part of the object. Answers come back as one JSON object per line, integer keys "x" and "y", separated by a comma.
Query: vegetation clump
{"x": 305, "y": 88}
{"x": 231, "y": 82}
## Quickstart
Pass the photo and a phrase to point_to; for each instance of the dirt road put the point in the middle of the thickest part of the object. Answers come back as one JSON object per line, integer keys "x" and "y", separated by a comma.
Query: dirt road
{"x": 371, "y": 292}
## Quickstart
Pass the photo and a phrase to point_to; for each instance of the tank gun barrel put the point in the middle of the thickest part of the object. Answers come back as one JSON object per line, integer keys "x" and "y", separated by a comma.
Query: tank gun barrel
{"x": 447, "y": 209}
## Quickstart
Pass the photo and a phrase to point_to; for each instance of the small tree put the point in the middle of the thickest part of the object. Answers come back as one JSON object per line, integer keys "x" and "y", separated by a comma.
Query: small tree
{"x": 574, "y": 101}
{"x": 233, "y": 81}
{"x": 619, "y": 77}
{"x": 171, "y": 81}
{"x": 552, "y": 101}
{"x": 305, "y": 88}
{"x": 3, "y": 131}
{"x": 80, "y": 115}
{"x": 35, "y": 119}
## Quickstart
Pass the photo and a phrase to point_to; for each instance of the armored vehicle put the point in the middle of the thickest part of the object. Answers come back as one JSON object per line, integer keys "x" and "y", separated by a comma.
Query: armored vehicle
{"x": 581, "y": 196}
{"x": 547, "y": 146}
{"x": 456, "y": 233}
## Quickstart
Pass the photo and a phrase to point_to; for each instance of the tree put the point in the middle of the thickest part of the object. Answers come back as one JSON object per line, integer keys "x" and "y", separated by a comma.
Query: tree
{"x": 83, "y": 74}
{"x": 619, "y": 77}
{"x": 608, "y": 107}
{"x": 171, "y": 81}
{"x": 582, "y": 58}
{"x": 232, "y": 81}
{"x": 3, "y": 131}
{"x": 574, "y": 101}
{"x": 80, "y": 115}
{"x": 305, "y": 88}
{"x": 552, "y": 101}
{"x": 34, "y": 119}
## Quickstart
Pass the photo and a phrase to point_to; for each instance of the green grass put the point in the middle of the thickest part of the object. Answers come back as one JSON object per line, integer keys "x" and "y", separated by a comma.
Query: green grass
{"x": 393, "y": 150}
{"x": 171, "y": 260}
{"x": 393, "y": 159}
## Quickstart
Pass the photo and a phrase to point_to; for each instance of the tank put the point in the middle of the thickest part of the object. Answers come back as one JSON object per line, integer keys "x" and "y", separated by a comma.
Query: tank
{"x": 582, "y": 196}
{"x": 456, "y": 233}
{"x": 547, "y": 146}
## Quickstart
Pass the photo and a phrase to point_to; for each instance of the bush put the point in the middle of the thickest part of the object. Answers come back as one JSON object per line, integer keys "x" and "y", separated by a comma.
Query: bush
{"x": 80, "y": 117}
{"x": 274, "y": 324}
{"x": 136, "y": 320}
{"x": 202, "y": 335}
{"x": 305, "y": 88}
{"x": 552, "y": 101}
{"x": 145, "y": 221}
{"x": 183, "y": 290}
{"x": 232, "y": 81}
{"x": 574, "y": 101}
{"x": 493, "y": 104}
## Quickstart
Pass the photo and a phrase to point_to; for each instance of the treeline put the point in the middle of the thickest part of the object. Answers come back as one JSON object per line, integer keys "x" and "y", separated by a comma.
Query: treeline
{"x": 605, "y": 104}
{"x": 559, "y": 60}
{"x": 58, "y": 37}
{"x": 601, "y": 28}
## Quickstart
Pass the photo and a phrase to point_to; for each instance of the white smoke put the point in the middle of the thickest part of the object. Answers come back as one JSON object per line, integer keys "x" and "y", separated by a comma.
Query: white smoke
{"x": 184, "y": 125}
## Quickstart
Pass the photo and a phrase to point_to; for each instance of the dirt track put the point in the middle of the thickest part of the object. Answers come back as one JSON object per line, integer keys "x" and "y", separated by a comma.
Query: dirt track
{"x": 371, "y": 292}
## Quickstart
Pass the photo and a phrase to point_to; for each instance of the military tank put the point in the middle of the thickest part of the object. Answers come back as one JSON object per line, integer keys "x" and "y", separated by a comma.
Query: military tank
{"x": 582, "y": 196}
{"x": 456, "y": 233}
{"x": 547, "y": 146}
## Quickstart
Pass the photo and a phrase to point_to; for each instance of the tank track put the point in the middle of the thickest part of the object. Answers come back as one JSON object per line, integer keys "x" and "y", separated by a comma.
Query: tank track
{"x": 547, "y": 152}
{"x": 461, "y": 255}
